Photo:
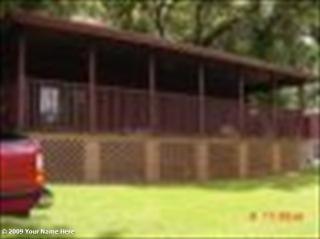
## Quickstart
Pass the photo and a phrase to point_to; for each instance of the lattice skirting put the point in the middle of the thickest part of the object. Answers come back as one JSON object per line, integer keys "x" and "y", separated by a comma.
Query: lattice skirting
{"x": 84, "y": 158}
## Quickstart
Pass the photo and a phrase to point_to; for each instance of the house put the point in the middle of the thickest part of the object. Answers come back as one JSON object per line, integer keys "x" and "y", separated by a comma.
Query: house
{"x": 112, "y": 106}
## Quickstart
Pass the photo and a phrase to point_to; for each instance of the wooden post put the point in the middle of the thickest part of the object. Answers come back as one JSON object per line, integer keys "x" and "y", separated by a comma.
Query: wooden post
{"x": 92, "y": 89}
{"x": 242, "y": 106}
{"x": 202, "y": 107}
{"x": 274, "y": 109}
{"x": 202, "y": 161}
{"x": 243, "y": 158}
{"x": 302, "y": 105}
{"x": 152, "y": 93}
{"x": 152, "y": 160}
{"x": 276, "y": 157}
{"x": 92, "y": 161}
{"x": 22, "y": 83}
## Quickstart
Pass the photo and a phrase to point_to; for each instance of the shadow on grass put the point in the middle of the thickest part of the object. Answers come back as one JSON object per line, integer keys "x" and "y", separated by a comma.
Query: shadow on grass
{"x": 289, "y": 181}
{"x": 286, "y": 182}
{"x": 110, "y": 235}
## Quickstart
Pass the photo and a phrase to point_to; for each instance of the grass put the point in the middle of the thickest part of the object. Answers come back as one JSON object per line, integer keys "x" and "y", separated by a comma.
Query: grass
{"x": 217, "y": 209}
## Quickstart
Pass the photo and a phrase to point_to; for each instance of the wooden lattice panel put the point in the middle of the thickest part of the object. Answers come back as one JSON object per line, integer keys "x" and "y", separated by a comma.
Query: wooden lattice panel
{"x": 122, "y": 161}
{"x": 290, "y": 154}
{"x": 64, "y": 159}
{"x": 177, "y": 162}
{"x": 223, "y": 160}
{"x": 260, "y": 156}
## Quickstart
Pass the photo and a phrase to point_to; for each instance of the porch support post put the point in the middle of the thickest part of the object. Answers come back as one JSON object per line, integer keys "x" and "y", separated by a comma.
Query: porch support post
{"x": 92, "y": 89}
{"x": 241, "y": 105}
{"x": 276, "y": 154}
{"x": 152, "y": 93}
{"x": 302, "y": 106}
{"x": 274, "y": 108}
{"x": 202, "y": 108}
{"x": 22, "y": 83}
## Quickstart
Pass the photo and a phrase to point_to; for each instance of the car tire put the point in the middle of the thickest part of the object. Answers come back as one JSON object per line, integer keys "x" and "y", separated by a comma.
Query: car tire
{"x": 22, "y": 215}
{"x": 46, "y": 199}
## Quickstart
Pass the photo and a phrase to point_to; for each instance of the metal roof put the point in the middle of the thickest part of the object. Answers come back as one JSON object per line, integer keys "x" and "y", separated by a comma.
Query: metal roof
{"x": 97, "y": 31}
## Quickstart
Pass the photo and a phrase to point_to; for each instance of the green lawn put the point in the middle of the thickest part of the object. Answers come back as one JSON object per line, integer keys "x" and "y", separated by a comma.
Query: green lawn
{"x": 216, "y": 209}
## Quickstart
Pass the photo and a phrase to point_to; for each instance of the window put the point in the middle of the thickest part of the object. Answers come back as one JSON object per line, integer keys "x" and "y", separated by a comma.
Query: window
{"x": 49, "y": 104}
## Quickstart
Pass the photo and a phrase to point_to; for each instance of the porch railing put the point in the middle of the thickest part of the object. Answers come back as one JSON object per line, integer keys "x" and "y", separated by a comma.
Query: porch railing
{"x": 121, "y": 110}
{"x": 127, "y": 111}
{"x": 71, "y": 111}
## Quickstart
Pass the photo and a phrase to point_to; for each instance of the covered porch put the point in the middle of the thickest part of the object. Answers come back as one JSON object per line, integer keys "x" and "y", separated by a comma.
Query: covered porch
{"x": 62, "y": 80}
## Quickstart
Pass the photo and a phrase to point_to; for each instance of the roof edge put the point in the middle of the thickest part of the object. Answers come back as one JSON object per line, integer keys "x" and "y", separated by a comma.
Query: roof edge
{"x": 34, "y": 19}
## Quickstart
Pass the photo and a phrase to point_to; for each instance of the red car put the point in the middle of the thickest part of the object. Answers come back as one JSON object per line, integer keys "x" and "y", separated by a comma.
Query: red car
{"x": 22, "y": 178}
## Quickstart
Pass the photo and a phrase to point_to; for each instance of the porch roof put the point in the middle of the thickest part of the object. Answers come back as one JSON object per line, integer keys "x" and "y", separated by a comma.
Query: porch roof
{"x": 284, "y": 75}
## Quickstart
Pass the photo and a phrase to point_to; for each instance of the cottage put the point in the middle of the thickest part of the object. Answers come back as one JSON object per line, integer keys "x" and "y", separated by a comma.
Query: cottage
{"x": 113, "y": 106}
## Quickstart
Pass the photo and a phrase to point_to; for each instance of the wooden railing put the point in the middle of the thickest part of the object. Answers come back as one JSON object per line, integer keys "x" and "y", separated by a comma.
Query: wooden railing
{"x": 71, "y": 109}
{"x": 177, "y": 114}
{"x": 121, "y": 110}
{"x": 127, "y": 111}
